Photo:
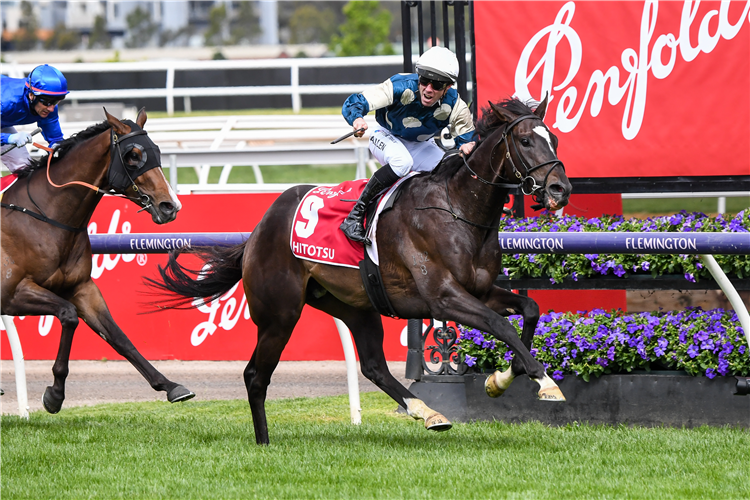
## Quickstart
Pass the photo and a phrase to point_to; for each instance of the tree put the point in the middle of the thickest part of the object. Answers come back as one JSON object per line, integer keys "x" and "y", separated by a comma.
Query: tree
{"x": 217, "y": 19}
{"x": 140, "y": 28}
{"x": 99, "y": 37}
{"x": 309, "y": 24}
{"x": 63, "y": 39}
{"x": 365, "y": 32}
{"x": 244, "y": 27}
{"x": 26, "y": 37}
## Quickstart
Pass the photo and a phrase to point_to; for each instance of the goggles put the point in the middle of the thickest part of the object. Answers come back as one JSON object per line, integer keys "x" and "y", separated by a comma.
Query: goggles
{"x": 436, "y": 84}
{"x": 49, "y": 100}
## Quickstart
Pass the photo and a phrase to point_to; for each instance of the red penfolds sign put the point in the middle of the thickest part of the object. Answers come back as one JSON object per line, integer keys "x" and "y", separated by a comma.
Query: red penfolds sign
{"x": 221, "y": 330}
{"x": 636, "y": 88}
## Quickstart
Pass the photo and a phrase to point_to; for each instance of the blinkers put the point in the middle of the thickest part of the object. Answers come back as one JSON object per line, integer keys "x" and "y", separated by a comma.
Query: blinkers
{"x": 131, "y": 157}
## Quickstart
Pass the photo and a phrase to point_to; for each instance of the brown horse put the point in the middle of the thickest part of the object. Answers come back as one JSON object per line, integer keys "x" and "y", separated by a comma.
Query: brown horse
{"x": 439, "y": 256}
{"x": 46, "y": 252}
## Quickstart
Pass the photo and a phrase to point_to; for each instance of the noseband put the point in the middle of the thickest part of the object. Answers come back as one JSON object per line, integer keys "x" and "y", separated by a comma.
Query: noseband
{"x": 527, "y": 182}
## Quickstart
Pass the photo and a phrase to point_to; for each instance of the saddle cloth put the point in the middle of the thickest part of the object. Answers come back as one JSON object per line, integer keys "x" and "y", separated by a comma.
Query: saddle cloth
{"x": 6, "y": 182}
{"x": 315, "y": 232}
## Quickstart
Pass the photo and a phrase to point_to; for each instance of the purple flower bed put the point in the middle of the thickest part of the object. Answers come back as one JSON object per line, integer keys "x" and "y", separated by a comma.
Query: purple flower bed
{"x": 699, "y": 342}
{"x": 559, "y": 266}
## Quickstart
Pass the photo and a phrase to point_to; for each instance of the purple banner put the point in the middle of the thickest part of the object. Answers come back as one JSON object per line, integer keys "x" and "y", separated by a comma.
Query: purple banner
{"x": 627, "y": 243}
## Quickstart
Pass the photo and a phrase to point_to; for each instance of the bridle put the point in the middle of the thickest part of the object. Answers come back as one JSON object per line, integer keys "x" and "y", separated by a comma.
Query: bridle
{"x": 119, "y": 175}
{"x": 118, "y": 166}
{"x": 526, "y": 182}
{"x": 523, "y": 181}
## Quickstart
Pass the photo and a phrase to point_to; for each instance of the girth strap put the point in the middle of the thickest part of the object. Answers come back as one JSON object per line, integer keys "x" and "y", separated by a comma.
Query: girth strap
{"x": 43, "y": 218}
{"x": 373, "y": 283}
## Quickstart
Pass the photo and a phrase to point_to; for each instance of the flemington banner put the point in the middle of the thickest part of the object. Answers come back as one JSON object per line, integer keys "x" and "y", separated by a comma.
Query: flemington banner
{"x": 222, "y": 330}
{"x": 654, "y": 88}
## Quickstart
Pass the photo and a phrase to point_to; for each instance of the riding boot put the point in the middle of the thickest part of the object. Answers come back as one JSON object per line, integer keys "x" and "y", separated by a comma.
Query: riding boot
{"x": 353, "y": 226}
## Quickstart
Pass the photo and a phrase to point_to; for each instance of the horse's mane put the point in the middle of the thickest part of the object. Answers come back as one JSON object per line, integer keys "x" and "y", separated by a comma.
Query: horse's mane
{"x": 63, "y": 148}
{"x": 484, "y": 128}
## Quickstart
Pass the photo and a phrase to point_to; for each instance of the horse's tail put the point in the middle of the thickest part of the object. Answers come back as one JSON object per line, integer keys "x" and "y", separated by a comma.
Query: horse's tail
{"x": 221, "y": 269}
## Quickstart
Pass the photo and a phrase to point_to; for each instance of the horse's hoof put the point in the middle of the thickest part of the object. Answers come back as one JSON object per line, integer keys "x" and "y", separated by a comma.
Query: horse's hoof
{"x": 437, "y": 422}
{"x": 50, "y": 403}
{"x": 551, "y": 394}
{"x": 491, "y": 388}
{"x": 179, "y": 393}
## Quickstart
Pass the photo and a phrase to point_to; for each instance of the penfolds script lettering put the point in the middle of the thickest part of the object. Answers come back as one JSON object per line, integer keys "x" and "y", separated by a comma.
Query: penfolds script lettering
{"x": 655, "y": 56}
{"x": 225, "y": 307}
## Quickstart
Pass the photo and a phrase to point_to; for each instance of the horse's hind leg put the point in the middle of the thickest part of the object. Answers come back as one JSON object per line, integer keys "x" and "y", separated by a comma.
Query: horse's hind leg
{"x": 275, "y": 320}
{"x": 367, "y": 330}
{"x": 38, "y": 301}
{"x": 92, "y": 308}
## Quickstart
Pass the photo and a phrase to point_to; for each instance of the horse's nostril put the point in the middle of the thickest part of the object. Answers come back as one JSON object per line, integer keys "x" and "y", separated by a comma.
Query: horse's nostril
{"x": 166, "y": 208}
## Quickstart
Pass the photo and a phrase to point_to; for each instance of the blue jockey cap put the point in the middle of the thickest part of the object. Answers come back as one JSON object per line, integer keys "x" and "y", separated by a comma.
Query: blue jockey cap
{"x": 46, "y": 80}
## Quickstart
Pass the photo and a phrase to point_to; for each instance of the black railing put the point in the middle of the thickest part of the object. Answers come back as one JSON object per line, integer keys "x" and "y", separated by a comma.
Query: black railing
{"x": 459, "y": 38}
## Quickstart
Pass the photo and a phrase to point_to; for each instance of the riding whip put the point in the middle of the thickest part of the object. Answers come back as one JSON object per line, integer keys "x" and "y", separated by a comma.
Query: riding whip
{"x": 347, "y": 136}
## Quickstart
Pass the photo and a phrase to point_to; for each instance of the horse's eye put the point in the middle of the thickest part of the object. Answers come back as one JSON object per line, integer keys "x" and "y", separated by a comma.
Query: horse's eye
{"x": 525, "y": 142}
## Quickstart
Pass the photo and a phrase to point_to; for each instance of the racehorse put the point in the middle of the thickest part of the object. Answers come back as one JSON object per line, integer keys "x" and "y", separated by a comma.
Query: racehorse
{"x": 46, "y": 252}
{"x": 439, "y": 257}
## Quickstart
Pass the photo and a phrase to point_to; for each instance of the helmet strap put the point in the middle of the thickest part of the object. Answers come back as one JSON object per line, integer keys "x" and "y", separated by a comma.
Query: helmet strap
{"x": 32, "y": 103}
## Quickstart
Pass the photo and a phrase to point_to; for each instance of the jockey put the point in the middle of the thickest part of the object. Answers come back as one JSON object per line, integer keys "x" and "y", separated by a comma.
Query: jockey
{"x": 29, "y": 100}
{"x": 411, "y": 110}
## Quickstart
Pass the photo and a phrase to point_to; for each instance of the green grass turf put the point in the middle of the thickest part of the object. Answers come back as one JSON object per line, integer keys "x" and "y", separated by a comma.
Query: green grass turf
{"x": 206, "y": 449}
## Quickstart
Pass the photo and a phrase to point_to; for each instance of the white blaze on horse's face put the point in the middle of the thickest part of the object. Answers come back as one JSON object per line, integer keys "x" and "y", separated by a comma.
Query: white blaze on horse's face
{"x": 172, "y": 194}
{"x": 544, "y": 133}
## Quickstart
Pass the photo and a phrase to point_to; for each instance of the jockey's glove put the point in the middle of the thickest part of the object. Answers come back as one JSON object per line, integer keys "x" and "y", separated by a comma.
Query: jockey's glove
{"x": 19, "y": 139}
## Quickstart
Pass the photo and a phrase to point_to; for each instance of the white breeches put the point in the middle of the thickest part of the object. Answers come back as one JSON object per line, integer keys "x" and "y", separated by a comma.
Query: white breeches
{"x": 404, "y": 156}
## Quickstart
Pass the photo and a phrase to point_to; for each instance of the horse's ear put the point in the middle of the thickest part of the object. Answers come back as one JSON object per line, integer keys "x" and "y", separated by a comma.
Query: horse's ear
{"x": 541, "y": 110}
{"x": 502, "y": 113}
{"x": 117, "y": 125}
{"x": 141, "y": 118}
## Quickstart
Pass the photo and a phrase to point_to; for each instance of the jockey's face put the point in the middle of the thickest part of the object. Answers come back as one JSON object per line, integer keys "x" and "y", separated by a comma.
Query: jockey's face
{"x": 39, "y": 108}
{"x": 429, "y": 96}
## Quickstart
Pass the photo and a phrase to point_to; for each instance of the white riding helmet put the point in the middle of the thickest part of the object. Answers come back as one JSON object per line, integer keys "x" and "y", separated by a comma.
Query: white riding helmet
{"x": 440, "y": 64}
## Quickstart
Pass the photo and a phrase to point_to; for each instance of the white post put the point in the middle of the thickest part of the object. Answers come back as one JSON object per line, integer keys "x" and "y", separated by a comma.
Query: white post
{"x": 173, "y": 171}
{"x": 296, "y": 98}
{"x": 732, "y": 295}
{"x": 170, "y": 90}
{"x": 17, "y": 351}
{"x": 351, "y": 371}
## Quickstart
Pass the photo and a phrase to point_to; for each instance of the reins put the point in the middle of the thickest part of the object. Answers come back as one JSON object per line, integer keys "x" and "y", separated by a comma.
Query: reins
{"x": 49, "y": 162}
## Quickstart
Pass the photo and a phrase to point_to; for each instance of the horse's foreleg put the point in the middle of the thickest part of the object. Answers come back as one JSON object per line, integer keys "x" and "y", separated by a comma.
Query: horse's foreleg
{"x": 32, "y": 300}
{"x": 505, "y": 303}
{"x": 94, "y": 311}
{"x": 456, "y": 304}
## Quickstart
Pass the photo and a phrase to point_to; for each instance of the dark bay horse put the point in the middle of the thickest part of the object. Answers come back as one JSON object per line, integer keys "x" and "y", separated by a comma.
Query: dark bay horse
{"x": 439, "y": 256}
{"x": 46, "y": 252}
